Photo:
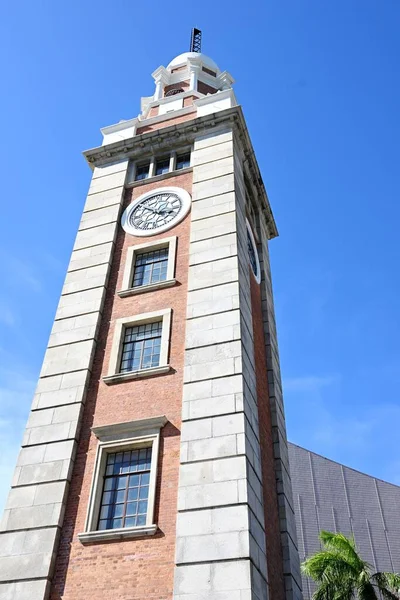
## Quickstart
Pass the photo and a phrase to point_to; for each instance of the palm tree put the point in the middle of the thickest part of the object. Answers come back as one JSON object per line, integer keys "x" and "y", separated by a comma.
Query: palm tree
{"x": 341, "y": 574}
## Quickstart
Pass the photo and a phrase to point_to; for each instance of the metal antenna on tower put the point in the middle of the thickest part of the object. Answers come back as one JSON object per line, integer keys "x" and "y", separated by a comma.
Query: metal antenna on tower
{"x": 195, "y": 40}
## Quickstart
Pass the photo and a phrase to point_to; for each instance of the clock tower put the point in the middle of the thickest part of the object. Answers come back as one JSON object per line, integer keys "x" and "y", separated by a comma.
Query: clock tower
{"x": 154, "y": 464}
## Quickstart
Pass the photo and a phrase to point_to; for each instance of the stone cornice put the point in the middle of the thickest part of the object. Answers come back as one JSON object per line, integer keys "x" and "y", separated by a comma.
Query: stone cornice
{"x": 176, "y": 135}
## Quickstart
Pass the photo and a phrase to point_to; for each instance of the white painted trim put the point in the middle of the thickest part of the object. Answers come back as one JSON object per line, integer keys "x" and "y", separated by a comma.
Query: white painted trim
{"x": 186, "y": 204}
{"x": 114, "y": 438}
{"x": 250, "y": 232}
{"x": 115, "y": 431}
{"x": 116, "y": 347}
{"x": 211, "y": 98}
{"x": 116, "y": 534}
{"x": 120, "y": 377}
{"x": 142, "y": 289}
{"x": 131, "y": 255}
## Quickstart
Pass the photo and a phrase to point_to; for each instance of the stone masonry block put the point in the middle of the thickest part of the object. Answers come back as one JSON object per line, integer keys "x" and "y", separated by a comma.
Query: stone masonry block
{"x": 213, "y": 300}
{"x": 25, "y": 590}
{"x": 212, "y": 153}
{"x": 71, "y": 357}
{"x": 107, "y": 182}
{"x": 198, "y": 372}
{"x": 217, "y": 352}
{"x": 213, "y": 187}
{"x": 50, "y": 433}
{"x": 101, "y": 216}
{"x": 211, "y": 207}
{"x": 212, "y": 139}
{"x": 214, "y": 273}
{"x": 90, "y": 257}
{"x": 85, "y": 279}
{"x": 80, "y": 303}
{"x": 59, "y": 397}
{"x": 103, "y": 199}
{"x": 213, "y": 329}
{"x": 209, "y": 407}
{"x": 213, "y": 170}
{"x": 36, "y": 495}
{"x": 213, "y": 227}
{"x": 60, "y": 414}
{"x": 65, "y": 381}
{"x": 219, "y": 546}
{"x": 26, "y": 554}
{"x": 216, "y": 520}
{"x": 210, "y": 448}
{"x": 32, "y": 517}
{"x": 110, "y": 169}
{"x": 213, "y": 249}
{"x": 210, "y": 471}
{"x": 96, "y": 236}
{"x": 74, "y": 329}
{"x": 44, "y": 472}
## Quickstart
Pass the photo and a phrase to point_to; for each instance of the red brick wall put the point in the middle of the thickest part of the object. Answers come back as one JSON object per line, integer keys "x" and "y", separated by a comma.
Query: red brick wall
{"x": 181, "y": 85}
{"x": 134, "y": 569}
{"x": 203, "y": 88}
{"x": 271, "y": 510}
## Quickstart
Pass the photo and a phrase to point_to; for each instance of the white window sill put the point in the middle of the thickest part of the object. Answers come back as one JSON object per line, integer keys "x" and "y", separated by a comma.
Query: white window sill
{"x": 118, "y": 377}
{"x": 141, "y": 289}
{"x": 116, "y": 534}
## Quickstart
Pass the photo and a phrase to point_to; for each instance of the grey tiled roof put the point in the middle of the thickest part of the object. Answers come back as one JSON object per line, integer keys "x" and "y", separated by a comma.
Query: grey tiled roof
{"x": 328, "y": 495}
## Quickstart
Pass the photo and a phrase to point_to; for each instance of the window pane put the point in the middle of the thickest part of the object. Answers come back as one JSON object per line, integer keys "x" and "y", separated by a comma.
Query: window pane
{"x": 116, "y": 523}
{"x": 133, "y": 493}
{"x": 162, "y": 166}
{"x": 142, "y": 171}
{"x": 126, "y": 506}
{"x": 142, "y": 353}
{"x": 150, "y": 267}
{"x": 183, "y": 161}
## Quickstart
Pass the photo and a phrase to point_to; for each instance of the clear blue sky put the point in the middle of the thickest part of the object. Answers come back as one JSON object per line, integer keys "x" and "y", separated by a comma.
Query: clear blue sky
{"x": 320, "y": 89}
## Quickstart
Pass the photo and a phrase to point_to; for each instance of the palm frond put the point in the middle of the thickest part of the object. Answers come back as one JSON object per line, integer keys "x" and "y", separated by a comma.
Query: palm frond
{"x": 388, "y": 584}
{"x": 328, "y": 566}
{"x": 344, "y": 546}
{"x": 366, "y": 591}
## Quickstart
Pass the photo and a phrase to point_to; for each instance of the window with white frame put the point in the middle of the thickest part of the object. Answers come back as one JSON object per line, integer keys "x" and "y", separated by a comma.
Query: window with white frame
{"x": 142, "y": 171}
{"x": 122, "y": 497}
{"x": 125, "y": 496}
{"x": 140, "y": 346}
{"x": 159, "y": 165}
{"x": 162, "y": 165}
{"x": 182, "y": 161}
{"x": 149, "y": 266}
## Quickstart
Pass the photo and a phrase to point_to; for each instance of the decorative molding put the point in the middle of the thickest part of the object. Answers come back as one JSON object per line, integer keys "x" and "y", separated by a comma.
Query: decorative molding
{"x": 120, "y": 377}
{"x": 114, "y": 535}
{"x": 142, "y": 289}
{"x": 116, "y": 430}
{"x": 118, "y": 437}
{"x": 168, "y": 138}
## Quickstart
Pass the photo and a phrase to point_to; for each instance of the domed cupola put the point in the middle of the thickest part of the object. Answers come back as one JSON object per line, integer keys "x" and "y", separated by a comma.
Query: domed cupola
{"x": 190, "y": 72}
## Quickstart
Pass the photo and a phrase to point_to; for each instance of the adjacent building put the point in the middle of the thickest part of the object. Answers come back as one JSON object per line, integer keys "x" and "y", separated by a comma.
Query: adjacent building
{"x": 329, "y": 496}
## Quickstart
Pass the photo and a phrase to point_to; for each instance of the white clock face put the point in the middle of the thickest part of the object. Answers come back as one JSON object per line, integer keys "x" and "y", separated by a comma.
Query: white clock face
{"x": 253, "y": 254}
{"x": 156, "y": 211}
